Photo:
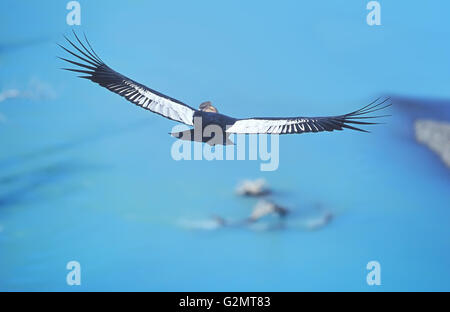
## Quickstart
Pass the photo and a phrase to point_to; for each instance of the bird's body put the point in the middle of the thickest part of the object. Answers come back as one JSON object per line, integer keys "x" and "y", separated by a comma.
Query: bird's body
{"x": 209, "y": 125}
{"x": 206, "y": 119}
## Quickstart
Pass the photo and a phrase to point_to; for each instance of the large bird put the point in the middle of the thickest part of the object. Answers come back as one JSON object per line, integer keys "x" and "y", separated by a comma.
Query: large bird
{"x": 97, "y": 71}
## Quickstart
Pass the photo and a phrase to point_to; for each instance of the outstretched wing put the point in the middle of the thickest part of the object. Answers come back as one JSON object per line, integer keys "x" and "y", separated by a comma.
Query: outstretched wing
{"x": 97, "y": 71}
{"x": 309, "y": 124}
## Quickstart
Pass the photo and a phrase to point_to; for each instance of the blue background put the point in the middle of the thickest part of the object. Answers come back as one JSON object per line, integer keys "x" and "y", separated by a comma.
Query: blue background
{"x": 86, "y": 176}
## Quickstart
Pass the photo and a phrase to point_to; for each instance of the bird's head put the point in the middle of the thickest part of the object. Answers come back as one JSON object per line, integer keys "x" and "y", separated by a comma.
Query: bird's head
{"x": 207, "y": 107}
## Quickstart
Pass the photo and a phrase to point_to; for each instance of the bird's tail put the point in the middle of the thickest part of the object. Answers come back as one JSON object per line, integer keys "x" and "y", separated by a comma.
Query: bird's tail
{"x": 192, "y": 135}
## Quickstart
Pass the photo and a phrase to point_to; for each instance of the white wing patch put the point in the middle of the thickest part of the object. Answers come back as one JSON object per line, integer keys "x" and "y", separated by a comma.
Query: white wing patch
{"x": 155, "y": 103}
{"x": 271, "y": 126}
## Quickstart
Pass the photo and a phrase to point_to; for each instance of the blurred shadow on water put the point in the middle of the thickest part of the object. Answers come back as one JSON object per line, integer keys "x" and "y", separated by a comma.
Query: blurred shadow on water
{"x": 6, "y": 47}
{"x": 413, "y": 108}
{"x": 29, "y": 186}
{"x": 68, "y": 145}
{"x": 304, "y": 217}
{"x": 19, "y": 186}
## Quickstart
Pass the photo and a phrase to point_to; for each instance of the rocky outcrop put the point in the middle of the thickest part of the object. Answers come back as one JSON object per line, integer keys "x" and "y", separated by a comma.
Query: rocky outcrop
{"x": 253, "y": 188}
{"x": 435, "y": 135}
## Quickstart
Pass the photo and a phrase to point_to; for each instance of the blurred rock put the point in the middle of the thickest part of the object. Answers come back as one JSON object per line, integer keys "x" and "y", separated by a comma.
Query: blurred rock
{"x": 435, "y": 135}
{"x": 207, "y": 225}
{"x": 7, "y": 94}
{"x": 315, "y": 224}
{"x": 255, "y": 188}
{"x": 264, "y": 208}
{"x": 35, "y": 90}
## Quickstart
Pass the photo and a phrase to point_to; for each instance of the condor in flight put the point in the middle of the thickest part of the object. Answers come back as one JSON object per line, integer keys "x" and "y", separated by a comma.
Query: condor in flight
{"x": 97, "y": 71}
